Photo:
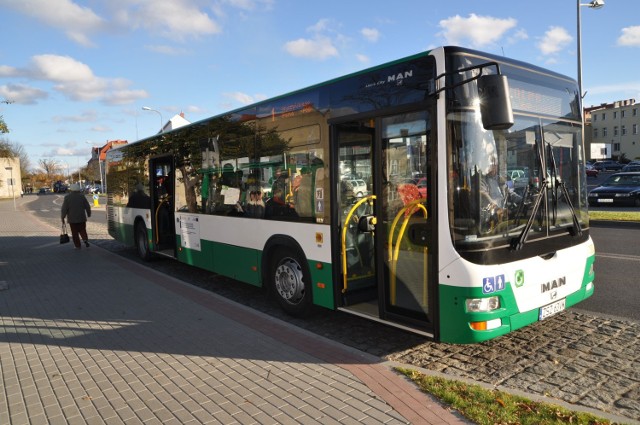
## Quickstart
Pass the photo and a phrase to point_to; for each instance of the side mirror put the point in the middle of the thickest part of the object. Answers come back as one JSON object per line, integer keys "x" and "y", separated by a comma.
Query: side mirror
{"x": 495, "y": 104}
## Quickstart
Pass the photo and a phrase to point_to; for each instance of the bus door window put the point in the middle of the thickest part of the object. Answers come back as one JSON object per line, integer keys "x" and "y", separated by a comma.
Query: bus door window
{"x": 405, "y": 212}
{"x": 355, "y": 158}
{"x": 163, "y": 202}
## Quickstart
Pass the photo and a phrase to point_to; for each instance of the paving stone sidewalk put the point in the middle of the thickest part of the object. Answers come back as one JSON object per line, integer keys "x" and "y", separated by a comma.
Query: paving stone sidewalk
{"x": 89, "y": 337}
{"x": 578, "y": 358}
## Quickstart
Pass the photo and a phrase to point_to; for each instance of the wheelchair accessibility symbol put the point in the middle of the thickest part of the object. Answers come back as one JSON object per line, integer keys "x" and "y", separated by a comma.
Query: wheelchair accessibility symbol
{"x": 492, "y": 284}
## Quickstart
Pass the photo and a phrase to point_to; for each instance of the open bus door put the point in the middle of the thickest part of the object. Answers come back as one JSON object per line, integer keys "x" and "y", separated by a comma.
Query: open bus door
{"x": 163, "y": 205}
{"x": 386, "y": 240}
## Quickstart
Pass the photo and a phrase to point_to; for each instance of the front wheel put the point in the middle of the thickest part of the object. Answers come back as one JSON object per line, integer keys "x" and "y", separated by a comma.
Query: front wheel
{"x": 291, "y": 282}
{"x": 142, "y": 242}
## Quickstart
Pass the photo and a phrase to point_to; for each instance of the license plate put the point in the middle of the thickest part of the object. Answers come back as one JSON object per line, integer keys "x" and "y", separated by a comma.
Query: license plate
{"x": 551, "y": 309}
{"x": 605, "y": 201}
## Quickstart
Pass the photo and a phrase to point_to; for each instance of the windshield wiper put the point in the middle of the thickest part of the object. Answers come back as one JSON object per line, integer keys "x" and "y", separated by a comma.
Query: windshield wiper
{"x": 559, "y": 183}
{"x": 518, "y": 243}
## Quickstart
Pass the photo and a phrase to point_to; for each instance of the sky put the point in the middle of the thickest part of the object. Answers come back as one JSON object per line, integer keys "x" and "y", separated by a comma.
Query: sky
{"x": 78, "y": 73}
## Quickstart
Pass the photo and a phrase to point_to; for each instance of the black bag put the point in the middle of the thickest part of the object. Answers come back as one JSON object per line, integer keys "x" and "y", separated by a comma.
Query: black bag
{"x": 64, "y": 237}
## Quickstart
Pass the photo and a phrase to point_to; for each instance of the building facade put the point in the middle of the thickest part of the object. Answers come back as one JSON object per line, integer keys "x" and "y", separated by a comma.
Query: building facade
{"x": 10, "y": 178}
{"x": 612, "y": 130}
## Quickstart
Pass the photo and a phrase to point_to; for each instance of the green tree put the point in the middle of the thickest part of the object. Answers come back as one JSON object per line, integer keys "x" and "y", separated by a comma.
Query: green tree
{"x": 3, "y": 125}
{"x": 6, "y": 149}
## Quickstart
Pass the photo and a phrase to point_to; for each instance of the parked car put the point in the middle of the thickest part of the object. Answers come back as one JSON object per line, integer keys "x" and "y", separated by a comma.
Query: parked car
{"x": 619, "y": 189}
{"x": 44, "y": 190}
{"x": 60, "y": 187}
{"x": 93, "y": 189}
{"x": 359, "y": 188}
{"x": 591, "y": 171}
{"x": 518, "y": 178}
{"x": 631, "y": 167}
{"x": 607, "y": 165}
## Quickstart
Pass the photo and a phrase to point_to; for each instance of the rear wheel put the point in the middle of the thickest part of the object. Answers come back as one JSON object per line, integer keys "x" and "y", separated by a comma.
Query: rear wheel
{"x": 291, "y": 281}
{"x": 142, "y": 242}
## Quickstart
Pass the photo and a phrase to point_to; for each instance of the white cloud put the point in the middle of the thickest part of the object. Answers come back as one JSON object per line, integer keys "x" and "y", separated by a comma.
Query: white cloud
{"x": 475, "y": 31}
{"x": 167, "y": 50}
{"x": 630, "y": 37}
{"x": 371, "y": 34}
{"x": 123, "y": 96}
{"x": 363, "y": 58}
{"x": 76, "y": 80}
{"x": 22, "y": 94}
{"x": 628, "y": 87}
{"x": 77, "y": 22}
{"x": 101, "y": 129}
{"x": 59, "y": 69}
{"x": 248, "y": 5}
{"x": 521, "y": 34}
{"x": 174, "y": 19}
{"x": 177, "y": 20}
{"x": 323, "y": 25}
{"x": 319, "y": 48}
{"x": 86, "y": 116}
{"x": 193, "y": 109}
{"x": 245, "y": 99}
{"x": 554, "y": 40}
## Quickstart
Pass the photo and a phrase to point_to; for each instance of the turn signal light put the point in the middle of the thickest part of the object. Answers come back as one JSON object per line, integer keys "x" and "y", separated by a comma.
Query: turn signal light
{"x": 486, "y": 325}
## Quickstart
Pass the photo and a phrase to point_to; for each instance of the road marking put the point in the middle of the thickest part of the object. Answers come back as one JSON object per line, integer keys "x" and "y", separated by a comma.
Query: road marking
{"x": 619, "y": 256}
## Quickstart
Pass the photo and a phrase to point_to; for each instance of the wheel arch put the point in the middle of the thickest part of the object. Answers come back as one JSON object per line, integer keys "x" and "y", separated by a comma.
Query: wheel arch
{"x": 272, "y": 244}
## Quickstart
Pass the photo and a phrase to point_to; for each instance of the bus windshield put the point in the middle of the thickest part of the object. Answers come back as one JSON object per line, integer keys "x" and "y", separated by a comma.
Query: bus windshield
{"x": 510, "y": 187}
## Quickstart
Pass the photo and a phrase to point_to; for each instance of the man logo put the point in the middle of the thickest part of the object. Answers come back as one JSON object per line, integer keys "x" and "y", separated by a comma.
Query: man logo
{"x": 519, "y": 278}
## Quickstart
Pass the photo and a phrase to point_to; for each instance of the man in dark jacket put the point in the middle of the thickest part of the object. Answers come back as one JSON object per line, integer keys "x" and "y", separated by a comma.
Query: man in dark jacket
{"x": 76, "y": 209}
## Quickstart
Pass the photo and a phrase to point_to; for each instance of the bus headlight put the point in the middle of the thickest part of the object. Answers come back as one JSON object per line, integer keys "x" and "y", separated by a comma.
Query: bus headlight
{"x": 476, "y": 305}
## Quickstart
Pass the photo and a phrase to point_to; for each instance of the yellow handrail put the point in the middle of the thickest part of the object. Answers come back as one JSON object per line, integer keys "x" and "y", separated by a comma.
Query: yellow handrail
{"x": 343, "y": 239}
{"x": 394, "y": 249}
{"x": 162, "y": 201}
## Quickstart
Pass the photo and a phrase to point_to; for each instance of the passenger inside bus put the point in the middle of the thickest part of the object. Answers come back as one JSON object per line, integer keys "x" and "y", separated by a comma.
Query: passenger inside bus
{"x": 303, "y": 193}
{"x": 253, "y": 203}
{"x": 279, "y": 205}
{"x": 139, "y": 198}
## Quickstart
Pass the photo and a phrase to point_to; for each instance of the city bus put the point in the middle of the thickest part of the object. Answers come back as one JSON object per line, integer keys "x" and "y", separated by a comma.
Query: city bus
{"x": 265, "y": 195}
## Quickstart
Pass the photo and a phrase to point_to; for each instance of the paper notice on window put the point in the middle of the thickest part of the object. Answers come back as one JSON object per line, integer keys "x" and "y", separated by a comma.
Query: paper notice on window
{"x": 231, "y": 195}
{"x": 190, "y": 232}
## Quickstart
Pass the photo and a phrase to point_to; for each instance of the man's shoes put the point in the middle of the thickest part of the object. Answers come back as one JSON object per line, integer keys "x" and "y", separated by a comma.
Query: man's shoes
{"x": 86, "y": 243}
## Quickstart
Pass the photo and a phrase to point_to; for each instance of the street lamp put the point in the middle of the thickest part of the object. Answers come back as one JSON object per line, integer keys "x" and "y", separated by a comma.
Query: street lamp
{"x": 13, "y": 193}
{"x": 146, "y": 108}
{"x": 594, "y": 4}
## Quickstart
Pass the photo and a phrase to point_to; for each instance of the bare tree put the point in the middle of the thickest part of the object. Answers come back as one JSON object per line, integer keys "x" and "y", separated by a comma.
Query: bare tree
{"x": 50, "y": 167}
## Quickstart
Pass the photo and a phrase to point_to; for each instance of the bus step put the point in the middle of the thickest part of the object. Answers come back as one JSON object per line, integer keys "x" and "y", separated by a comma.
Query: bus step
{"x": 359, "y": 296}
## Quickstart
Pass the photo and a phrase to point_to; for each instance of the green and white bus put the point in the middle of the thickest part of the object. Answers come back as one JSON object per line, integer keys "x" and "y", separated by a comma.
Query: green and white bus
{"x": 368, "y": 194}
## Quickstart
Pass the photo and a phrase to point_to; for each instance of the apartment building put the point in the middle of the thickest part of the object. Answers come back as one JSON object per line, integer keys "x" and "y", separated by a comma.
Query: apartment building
{"x": 612, "y": 130}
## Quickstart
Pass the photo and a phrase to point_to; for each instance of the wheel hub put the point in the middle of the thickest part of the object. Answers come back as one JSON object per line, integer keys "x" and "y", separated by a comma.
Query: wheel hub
{"x": 289, "y": 281}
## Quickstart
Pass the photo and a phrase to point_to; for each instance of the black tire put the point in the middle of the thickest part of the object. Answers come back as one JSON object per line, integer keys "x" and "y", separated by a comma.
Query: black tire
{"x": 142, "y": 242}
{"x": 290, "y": 282}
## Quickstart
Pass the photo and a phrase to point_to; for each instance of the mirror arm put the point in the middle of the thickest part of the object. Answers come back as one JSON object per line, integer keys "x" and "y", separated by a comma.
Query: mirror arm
{"x": 471, "y": 68}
